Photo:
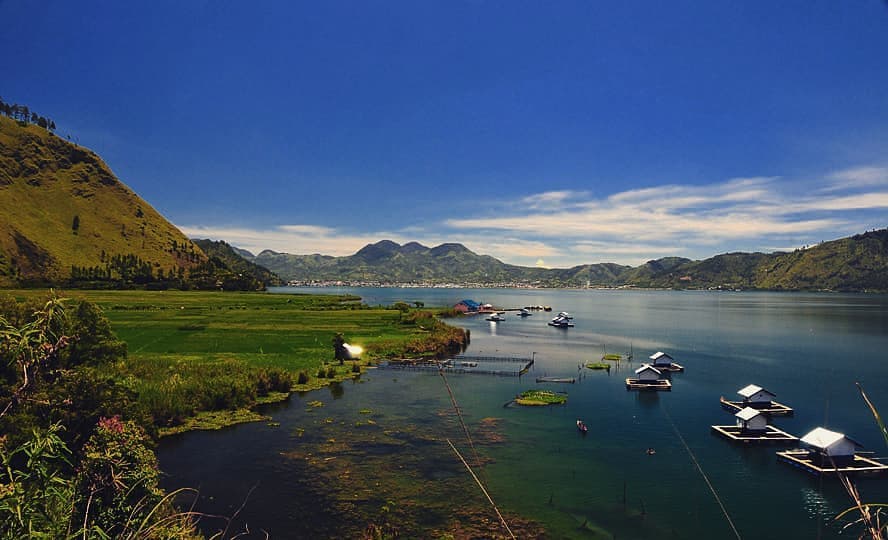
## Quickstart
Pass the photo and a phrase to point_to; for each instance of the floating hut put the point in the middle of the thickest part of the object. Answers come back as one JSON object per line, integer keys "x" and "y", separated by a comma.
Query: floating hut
{"x": 752, "y": 428}
{"x": 758, "y": 398}
{"x": 647, "y": 377}
{"x": 664, "y": 362}
{"x": 829, "y": 452}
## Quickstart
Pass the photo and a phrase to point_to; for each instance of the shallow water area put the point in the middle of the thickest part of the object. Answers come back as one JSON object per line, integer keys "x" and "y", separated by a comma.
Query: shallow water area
{"x": 375, "y": 452}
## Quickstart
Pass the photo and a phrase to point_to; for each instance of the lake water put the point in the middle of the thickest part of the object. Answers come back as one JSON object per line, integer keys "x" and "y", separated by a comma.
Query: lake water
{"x": 375, "y": 450}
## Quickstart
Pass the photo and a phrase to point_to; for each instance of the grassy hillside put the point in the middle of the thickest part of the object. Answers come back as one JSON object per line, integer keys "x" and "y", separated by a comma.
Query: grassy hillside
{"x": 61, "y": 206}
{"x": 233, "y": 261}
{"x": 856, "y": 263}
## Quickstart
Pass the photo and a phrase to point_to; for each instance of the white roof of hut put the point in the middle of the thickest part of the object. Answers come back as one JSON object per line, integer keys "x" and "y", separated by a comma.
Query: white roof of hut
{"x": 752, "y": 389}
{"x": 646, "y": 367}
{"x": 828, "y": 441}
{"x": 822, "y": 438}
{"x": 747, "y": 414}
{"x": 660, "y": 355}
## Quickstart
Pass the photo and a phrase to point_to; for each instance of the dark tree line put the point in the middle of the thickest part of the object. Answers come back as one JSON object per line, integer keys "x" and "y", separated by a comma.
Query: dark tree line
{"x": 23, "y": 114}
{"x": 130, "y": 271}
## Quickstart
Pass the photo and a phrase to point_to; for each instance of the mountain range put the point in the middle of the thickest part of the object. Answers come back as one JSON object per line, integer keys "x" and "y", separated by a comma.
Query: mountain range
{"x": 857, "y": 263}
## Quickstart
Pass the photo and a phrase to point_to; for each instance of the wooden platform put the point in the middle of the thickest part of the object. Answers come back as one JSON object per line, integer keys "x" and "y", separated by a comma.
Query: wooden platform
{"x": 638, "y": 384}
{"x": 671, "y": 367}
{"x": 771, "y": 435}
{"x": 569, "y": 380}
{"x": 859, "y": 466}
{"x": 773, "y": 409}
{"x": 487, "y": 365}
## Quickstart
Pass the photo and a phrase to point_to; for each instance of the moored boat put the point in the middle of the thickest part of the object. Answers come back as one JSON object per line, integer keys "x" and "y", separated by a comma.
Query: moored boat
{"x": 560, "y": 322}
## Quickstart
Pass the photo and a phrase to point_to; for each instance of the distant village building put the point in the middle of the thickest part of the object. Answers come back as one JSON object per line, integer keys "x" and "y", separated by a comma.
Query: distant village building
{"x": 750, "y": 419}
{"x": 467, "y": 306}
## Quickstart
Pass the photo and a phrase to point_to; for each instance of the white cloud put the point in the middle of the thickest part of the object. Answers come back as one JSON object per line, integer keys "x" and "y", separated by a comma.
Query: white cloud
{"x": 550, "y": 199}
{"x": 858, "y": 177}
{"x": 295, "y": 239}
{"x": 566, "y": 228}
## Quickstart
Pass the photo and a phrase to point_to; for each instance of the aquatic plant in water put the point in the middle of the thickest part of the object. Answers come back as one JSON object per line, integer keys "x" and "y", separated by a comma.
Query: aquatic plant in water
{"x": 540, "y": 397}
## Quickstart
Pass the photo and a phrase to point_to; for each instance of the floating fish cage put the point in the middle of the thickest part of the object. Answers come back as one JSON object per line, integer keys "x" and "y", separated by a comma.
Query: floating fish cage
{"x": 569, "y": 380}
{"x": 771, "y": 408}
{"x": 509, "y": 366}
{"x": 770, "y": 435}
{"x": 812, "y": 463}
{"x": 642, "y": 384}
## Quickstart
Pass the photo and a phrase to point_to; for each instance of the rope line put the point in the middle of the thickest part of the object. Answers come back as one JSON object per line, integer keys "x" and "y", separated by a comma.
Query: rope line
{"x": 703, "y": 474}
{"x": 462, "y": 422}
{"x": 460, "y": 417}
{"x": 480, "y": 485}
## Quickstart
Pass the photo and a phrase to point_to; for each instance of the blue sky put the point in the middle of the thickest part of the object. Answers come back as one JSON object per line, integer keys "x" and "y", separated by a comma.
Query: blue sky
{"x": 542, "y": 133}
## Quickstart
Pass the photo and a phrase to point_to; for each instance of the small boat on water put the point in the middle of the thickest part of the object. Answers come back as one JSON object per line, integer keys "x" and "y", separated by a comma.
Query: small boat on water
{"x": 565, "y": 315}
{"x": 524, "y": 313}
{"x": 582, "y": 427}
{"x": 561, "y": 322}
{"x": 496, "y": 317}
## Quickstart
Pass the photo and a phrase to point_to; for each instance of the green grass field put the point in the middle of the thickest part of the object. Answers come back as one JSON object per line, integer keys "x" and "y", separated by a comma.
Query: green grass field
{"x": 288, "y": 331}
{"x": 190, "y": 353}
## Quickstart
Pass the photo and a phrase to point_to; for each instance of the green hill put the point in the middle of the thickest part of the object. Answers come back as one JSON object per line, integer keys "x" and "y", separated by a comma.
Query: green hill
{"x": 66, "y": 220}
{"x": 856, "y": 263}
{"x": 62, "y": 207}
{"x": 241, "y": 274}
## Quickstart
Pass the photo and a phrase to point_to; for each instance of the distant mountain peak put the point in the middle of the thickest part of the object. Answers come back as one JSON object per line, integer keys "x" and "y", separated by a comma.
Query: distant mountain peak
{"x": 450, "y": 248}
{"x": 378, "y": 251}
{"x": 413, "y": 247}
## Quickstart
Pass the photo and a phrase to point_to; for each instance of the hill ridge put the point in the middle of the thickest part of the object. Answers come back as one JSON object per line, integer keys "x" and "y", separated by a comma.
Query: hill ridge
{"x": 856, "y": 263}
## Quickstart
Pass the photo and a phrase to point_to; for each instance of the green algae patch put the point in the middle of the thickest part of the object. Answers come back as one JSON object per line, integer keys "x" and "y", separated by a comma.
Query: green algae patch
{"x": 598, "y": 365}
{"x": 540, "y": 397}
{"x": 212, "y": 420}
{"x": 272, "y": 397}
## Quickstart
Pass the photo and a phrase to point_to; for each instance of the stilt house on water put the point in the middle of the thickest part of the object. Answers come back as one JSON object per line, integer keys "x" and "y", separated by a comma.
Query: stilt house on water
{"x": 758, "y": 398}
{"x": 647, "y": 377}
{"x": 664, "y": 362}
{"x": 750, "y": 419}
{"x": 826, "y": 452}
{"x": 752, "y": 427}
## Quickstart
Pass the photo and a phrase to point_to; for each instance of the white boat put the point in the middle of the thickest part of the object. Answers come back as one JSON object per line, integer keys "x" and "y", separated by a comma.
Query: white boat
{"x": 524, "y": 313}
{"x": 496, "y": 317}
{"x": 565, "y": 315}
{"x": 561, "y": 322}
